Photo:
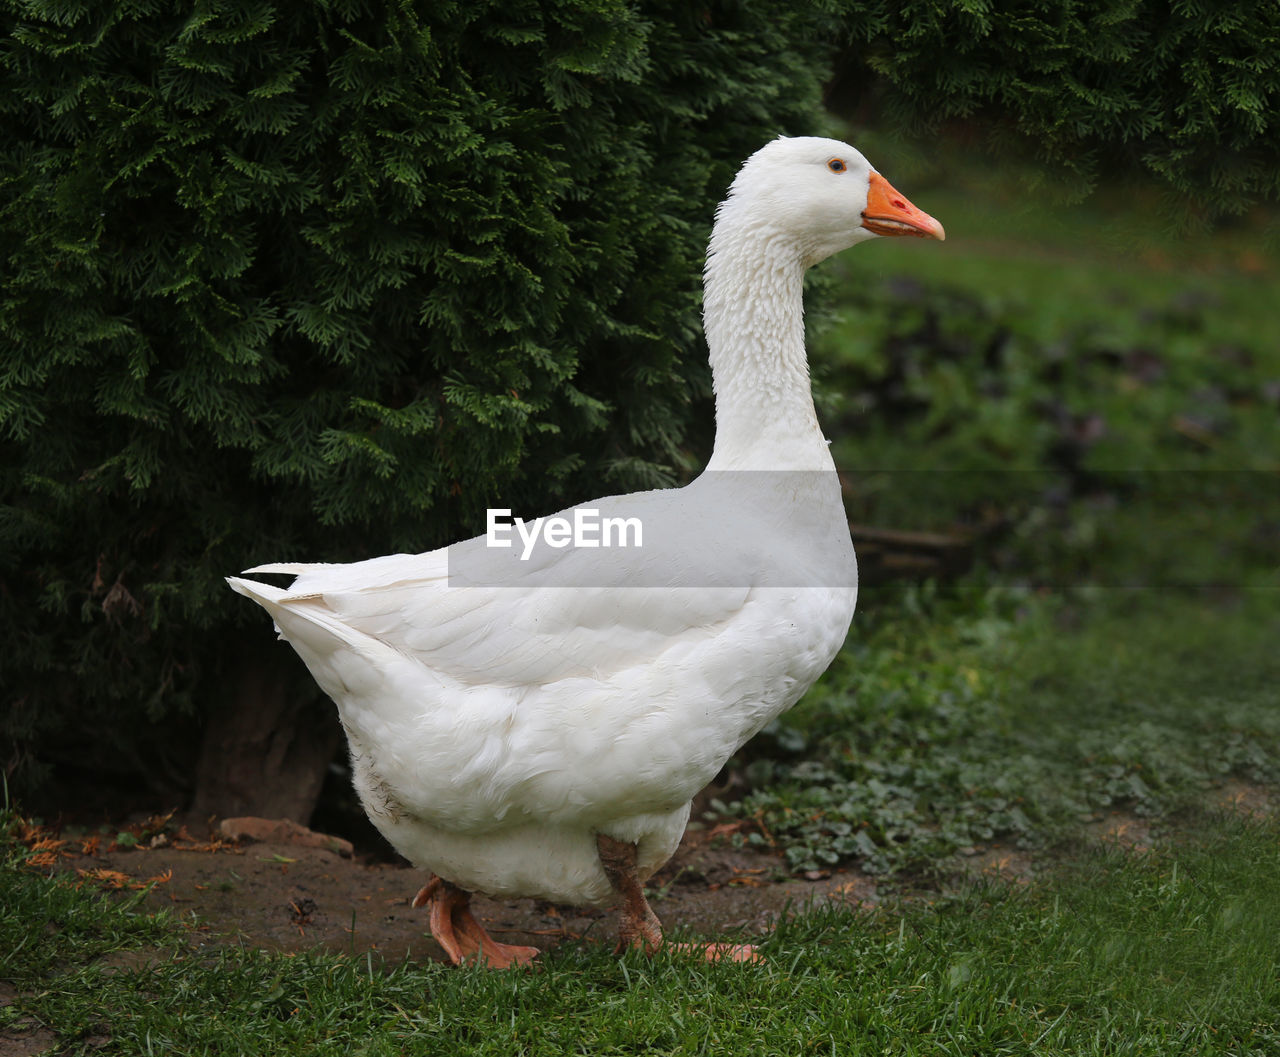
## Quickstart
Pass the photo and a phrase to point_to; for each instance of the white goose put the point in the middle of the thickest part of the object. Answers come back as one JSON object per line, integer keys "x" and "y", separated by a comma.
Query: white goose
{"x": 539, "y": 727}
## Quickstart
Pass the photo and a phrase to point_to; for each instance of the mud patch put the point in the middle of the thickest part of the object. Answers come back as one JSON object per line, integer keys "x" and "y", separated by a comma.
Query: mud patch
{"x": 1248, "y": 799}
{"x": 996, "y": 862}
{"x": 1126, "y": 831}
{"x": 23, "y": 1038}
{"x": 290, "y": 897}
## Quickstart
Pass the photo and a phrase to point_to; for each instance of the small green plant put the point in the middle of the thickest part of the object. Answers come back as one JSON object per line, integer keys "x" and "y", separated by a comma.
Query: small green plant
{"x": 962, "y": 719}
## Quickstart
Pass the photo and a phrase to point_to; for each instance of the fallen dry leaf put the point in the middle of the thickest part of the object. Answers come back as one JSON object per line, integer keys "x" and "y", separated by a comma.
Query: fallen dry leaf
{"x": 854, "y": 890}
{"x": 47, "y": 844}
{"x": 106, "y": 878}
{"x": 115, "y": 880}
{"x": 207, "y": 846}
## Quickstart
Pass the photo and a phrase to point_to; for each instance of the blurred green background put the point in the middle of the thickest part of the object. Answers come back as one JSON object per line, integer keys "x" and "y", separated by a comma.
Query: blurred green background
{"x": 1078, "y": 401}
{"x": 1091, "y": 385}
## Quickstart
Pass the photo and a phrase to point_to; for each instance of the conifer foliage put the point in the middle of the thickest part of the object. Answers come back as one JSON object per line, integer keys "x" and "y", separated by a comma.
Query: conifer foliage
{"x": 1186, "y": 92}
{"x": 321, "y": 281}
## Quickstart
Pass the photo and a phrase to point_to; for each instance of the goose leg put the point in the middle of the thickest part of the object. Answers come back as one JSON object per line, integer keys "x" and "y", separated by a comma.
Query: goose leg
{"x": 639, "y": 925}
{"x": 460, "y": 934}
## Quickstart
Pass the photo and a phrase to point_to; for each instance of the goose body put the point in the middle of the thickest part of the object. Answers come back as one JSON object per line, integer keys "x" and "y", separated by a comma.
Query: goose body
{"x": 536, "y": 724}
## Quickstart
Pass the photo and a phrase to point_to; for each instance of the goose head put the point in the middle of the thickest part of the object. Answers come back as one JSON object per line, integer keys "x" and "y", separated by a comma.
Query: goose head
{"x": 819, "y": 196}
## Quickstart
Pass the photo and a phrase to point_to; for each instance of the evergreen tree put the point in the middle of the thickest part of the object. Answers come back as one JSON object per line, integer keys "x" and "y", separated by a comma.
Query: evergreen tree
{"x": 1187, "y": 93}
{"x": 322, "y": 281}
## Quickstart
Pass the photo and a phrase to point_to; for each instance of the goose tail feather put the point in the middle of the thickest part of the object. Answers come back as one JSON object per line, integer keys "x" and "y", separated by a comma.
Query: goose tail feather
{"x": 302, "y": 620}
{"x": 286, "y": 568}
{"x": 264, "y": 594}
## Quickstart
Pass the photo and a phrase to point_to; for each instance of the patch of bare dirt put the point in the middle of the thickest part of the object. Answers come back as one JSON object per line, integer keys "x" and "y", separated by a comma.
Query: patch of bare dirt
{"x": 294, "y": 890}
{"x": 997, "y": 862}
{"x": 285, "y": 893}
{"x": 1126, "y": 831}
{"x": 24, "y": 1038}
{"x": 19, "y": 1042}
{"x": 1248, "y": 799}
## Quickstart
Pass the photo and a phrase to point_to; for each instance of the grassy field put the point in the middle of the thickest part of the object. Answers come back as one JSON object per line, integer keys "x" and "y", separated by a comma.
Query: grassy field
{"x": 1114, "y": 651}
{"x": 1171, "y": 952}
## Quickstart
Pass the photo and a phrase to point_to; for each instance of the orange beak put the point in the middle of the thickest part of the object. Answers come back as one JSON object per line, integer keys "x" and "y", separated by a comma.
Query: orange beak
{"x": 889, "y": 213}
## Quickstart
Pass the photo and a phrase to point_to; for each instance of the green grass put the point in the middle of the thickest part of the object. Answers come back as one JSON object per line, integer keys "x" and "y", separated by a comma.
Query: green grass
{"x": 46, "y": 926}
{"x": 1127, "y": 232}
{"x": 1174, "y": 952}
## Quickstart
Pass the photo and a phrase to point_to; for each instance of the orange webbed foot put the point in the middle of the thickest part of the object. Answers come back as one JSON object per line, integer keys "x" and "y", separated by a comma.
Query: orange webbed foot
{"x": 460, "y": 934}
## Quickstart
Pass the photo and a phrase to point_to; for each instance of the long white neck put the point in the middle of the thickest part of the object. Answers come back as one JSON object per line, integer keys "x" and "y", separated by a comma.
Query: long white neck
{"x": 753, "y": 314}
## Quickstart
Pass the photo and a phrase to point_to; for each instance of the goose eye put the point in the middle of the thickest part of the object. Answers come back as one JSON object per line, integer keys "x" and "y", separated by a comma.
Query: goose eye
{"x": 837, "y": 165}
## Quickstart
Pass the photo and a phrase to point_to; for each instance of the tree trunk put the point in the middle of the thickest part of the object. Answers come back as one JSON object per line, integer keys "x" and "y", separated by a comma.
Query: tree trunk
{"x": 266, "y": 752}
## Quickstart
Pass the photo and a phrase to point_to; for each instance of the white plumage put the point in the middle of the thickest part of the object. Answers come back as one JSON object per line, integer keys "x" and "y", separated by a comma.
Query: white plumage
{"x": 498, "y": 728}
